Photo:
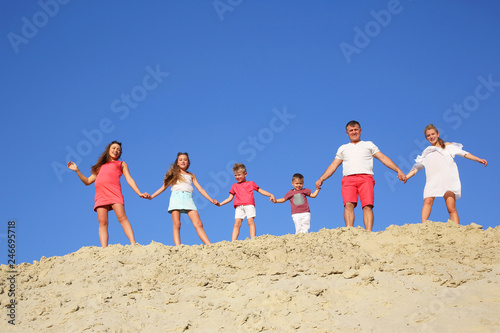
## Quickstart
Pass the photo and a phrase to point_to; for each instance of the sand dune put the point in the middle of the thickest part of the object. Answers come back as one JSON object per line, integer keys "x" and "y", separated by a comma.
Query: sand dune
{"x": 433, "y": 277}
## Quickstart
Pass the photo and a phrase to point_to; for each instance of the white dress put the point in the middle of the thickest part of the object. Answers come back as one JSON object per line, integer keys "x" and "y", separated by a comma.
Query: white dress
{"x": 440, "y": 170}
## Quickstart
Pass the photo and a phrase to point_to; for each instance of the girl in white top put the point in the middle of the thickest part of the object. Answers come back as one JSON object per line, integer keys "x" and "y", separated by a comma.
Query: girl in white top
{"x": 181, "y": 200}
{"x": 441, "y": 172}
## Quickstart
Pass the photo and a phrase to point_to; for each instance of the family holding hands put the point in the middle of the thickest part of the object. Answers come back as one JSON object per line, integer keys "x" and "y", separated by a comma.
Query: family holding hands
{"x": 356, "y": 158}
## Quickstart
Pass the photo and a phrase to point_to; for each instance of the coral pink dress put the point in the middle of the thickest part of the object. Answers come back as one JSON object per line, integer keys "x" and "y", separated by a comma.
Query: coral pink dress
{"x": 108, "y": 189}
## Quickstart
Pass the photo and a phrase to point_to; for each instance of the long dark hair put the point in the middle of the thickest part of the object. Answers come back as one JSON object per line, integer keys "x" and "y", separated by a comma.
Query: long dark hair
{"x": 432, "y": 127}
{"x": 173, "y": 174}
{"x": 104, "y": 158}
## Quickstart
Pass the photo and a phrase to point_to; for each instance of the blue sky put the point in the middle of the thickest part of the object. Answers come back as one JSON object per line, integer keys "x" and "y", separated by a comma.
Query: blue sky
{"x": 270, "y": 84}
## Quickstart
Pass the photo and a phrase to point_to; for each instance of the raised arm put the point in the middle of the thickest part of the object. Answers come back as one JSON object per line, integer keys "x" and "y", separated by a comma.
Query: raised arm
{"x": 390, "y": 164}
{"x": 315, "y": 193}
{"x": 228, "y": 200}
{"x": 410, "y": 174}
{"x": 329, "y": 172}
{"x": 475, "y": 158}
{"x": 267, "y": 194}
{"x": 86, "y": 180}
{"x": 158, "y": 191}
{"x": 202, "y": 191}
{"x": 131, "y": 181}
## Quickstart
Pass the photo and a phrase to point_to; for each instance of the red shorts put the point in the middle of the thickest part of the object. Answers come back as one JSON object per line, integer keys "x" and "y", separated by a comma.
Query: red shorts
{"x": 361, "y": 185}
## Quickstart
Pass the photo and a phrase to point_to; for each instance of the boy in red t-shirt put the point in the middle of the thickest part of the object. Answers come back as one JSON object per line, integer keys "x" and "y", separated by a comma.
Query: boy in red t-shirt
{"x": 244, "y": 202}
{"x": 301, "y": 214}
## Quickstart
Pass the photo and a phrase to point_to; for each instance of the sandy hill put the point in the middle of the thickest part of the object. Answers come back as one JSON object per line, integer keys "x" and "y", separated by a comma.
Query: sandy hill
{"x": 433, "y": 277}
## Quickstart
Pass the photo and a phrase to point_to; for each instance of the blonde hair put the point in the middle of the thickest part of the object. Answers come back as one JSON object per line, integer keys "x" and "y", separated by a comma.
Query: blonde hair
{"x": 173, "y": 174}
{"x": 432, "y": 127}
{"x": 239, "y": 167}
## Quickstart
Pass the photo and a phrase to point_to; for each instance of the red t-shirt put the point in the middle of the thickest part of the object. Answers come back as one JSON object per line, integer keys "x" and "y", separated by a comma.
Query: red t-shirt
{"x": 298, "y": 200}
{"x": 243, "y": 193}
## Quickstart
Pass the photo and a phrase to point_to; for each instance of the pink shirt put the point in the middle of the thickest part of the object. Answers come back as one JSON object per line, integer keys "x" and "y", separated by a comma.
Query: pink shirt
{"x": 243, "y": 193}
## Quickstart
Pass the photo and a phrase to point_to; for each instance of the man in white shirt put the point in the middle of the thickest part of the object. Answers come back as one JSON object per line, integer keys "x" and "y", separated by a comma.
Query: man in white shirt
{"x": 357, "y": 159}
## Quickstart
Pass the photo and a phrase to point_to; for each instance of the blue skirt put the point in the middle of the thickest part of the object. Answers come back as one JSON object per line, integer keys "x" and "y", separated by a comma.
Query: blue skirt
{"x": 180, "y": 200}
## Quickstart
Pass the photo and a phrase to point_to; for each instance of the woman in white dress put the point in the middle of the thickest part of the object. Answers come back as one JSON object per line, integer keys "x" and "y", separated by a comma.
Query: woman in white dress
{"x": 441, "y": 172}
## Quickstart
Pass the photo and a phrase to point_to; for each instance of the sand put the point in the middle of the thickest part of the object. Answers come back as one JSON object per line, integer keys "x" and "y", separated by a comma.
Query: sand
{"x": 433, "y": 277}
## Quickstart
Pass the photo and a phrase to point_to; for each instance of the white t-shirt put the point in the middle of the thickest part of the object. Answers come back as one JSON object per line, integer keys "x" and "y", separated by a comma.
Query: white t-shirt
{"x": 357, "y": 158}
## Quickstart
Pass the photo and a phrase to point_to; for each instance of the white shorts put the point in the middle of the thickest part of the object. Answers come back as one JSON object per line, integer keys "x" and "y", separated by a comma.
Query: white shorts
{"x": 243, "y": 211}
{"x": 302, "y": 222}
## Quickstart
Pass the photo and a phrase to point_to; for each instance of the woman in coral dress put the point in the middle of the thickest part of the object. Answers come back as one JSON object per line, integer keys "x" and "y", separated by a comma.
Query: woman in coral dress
{"x": 106, "y": 174}
{"x": 441, "y": 172}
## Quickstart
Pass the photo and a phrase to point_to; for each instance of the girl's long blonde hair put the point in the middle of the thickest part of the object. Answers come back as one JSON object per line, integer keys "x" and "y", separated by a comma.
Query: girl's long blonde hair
{"x": 173, "y": 174}
{"x": 432, "y": 127}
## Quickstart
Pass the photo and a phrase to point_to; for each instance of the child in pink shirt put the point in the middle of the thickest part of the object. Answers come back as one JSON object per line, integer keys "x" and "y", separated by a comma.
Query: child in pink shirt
{"x": 244, "y": 201}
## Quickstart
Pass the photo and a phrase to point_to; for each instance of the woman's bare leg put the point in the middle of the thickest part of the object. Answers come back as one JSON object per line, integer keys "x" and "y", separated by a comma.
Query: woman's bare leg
{"x": 122, "y": 218}
{"x": 102, "y": 216}
{"x": 449, "y": 198}
{"x": 426, "y": 209}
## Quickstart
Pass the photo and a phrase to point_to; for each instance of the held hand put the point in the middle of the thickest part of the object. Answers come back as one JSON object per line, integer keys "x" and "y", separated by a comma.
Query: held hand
{"x": 319, "y": 183}
{"x": 72, "y": 166}
{"x": 272, "y": 199}
{"x": 407, "y": 177}
{"x": 215, "y": 202}
{"x": 145, "y": 195}
{"x": 401, "y": 176}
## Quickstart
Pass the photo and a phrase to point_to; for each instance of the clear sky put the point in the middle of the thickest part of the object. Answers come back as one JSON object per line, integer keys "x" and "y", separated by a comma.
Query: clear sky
{"x": 270, "y": 84}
